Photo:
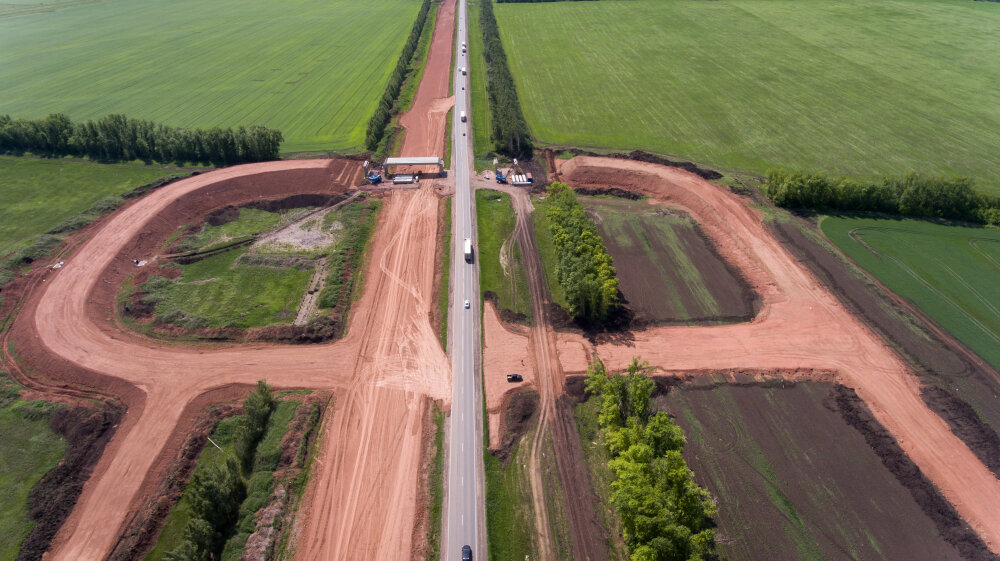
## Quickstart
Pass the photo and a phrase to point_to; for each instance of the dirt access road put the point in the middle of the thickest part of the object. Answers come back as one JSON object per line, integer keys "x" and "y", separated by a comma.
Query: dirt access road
{"x": 425, "y": 122}
{"x": 801, "y": 327}
{"x": 362, "y": 499}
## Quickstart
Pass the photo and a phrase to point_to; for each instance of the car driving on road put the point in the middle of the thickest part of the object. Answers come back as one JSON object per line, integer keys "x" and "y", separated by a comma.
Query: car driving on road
{"x": 466, "y": 553}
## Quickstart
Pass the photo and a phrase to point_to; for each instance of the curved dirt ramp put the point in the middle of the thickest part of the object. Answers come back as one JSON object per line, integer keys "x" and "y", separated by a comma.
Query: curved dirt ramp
{"x": 383, "y": 369}
{"x": 800, "y": 326}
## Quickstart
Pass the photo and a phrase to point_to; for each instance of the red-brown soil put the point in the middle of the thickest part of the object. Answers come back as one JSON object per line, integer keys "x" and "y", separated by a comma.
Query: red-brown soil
{"x": 800, "y": 325}
{"x": 425, "y": 121}
{"x": 361, "y": 502}
{"x": 506, "y": 350}
{"x": 555, "y": 417}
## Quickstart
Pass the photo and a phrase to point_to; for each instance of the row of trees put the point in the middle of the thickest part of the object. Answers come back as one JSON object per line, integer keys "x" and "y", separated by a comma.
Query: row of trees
{"x": 532, "y": 1}
{"x": 216, "y": 492}
{"x": 584, "y": 269}
{"x": 912, "y": 194}
{"x": 509, "y": 132}
{"x": 119, "y": 138}
{"x": 665, "y": 515}
{"x": 384, "y": 110}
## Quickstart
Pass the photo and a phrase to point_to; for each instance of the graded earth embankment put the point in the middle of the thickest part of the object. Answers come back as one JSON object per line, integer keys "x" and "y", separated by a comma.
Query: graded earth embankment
{"x": 800, "y": 325}
{"x": 381, "y": 371}
{"x": 425, "y": 121}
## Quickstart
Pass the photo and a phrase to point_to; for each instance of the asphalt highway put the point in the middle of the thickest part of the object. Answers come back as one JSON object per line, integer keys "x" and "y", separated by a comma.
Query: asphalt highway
{"x": 465, "y": 486}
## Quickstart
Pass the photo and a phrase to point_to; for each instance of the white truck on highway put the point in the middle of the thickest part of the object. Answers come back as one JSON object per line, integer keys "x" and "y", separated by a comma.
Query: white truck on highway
{"x": 468, "y": 250}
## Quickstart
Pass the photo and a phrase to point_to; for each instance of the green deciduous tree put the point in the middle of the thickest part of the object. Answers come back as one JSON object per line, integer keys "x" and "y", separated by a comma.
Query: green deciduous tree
{"x": 665, "y": 515}
{"x": 584, "y": 269}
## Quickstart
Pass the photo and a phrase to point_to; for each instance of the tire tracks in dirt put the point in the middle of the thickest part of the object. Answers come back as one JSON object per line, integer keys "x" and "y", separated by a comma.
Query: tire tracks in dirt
{"x": 800, "y": 326}
{"x": 587, "y": 533}
{"x": 363, "y": 496}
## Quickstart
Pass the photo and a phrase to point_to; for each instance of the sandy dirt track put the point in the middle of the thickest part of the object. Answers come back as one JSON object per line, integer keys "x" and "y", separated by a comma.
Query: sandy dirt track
{"x": 507, "y": 349}
{"x": 425, "y": 121}
{"x": 363, "y": 494}
{"x": 800, "y": 326}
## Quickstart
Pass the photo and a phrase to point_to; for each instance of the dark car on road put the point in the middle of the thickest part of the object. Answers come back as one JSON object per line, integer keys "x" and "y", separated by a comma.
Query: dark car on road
{"x": 466, "y": 553}
{"x": 514, "y": 378}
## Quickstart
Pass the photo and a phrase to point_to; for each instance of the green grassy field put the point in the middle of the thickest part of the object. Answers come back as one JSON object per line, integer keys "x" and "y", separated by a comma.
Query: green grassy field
{"x": 29, "y": 450}
{"x": 850, "y": 87}
{"x": 950, "y": 272}
{"x": 495, "y": 220}
{"x": 221, "y": 291}
{"x": 314, "y": 69}
{"x": 37, "y": 195}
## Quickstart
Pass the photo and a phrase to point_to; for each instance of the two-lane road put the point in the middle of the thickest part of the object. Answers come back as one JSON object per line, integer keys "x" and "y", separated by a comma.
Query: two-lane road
{"x": 465, "y": 514}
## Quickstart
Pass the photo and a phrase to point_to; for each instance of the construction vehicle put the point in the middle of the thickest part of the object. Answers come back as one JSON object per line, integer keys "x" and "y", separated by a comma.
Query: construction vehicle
{"x": 468, "y": 250}
{"x": 498, "y": 174}
{"x": 372, "y": 173}
{"x": 514, "y": 175}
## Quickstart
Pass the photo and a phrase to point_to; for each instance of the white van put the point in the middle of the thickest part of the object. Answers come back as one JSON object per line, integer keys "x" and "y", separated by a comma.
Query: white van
{"x": 462, "y": 116}
{"x": 463, "y": 71}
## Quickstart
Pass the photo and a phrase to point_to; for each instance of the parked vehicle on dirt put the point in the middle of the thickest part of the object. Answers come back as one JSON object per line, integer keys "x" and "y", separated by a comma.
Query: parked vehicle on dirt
{"x": 515, "y": 378}
{"x": 466, "y": 553}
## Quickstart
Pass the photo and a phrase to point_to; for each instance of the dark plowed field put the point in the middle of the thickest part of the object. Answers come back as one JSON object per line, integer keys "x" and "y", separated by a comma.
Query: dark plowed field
{"x": 795, "y": 481}
{"x": 667, "y": 270}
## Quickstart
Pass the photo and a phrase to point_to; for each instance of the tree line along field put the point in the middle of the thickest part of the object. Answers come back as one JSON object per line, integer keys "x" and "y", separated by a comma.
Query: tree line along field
{"x": 38, "y": 194}
{"x": 313, "y": 69}
{"x": 852, "y": 87}
{"x": 949, "y": 272}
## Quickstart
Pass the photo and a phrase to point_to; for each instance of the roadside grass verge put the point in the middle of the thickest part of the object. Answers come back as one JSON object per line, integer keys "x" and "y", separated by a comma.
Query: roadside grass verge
{"x": 949, "y": 272}
{"x": 854, "y": 88}
{"x": 547, "y": 251}
{"x": 437, "y": 489}
{"x": 509, "y": 520}
{"x": 319, "y": 51}
{"x": 444, "y": 289}
{"x": 29, "y": 450}
{"x": 495, "y": 221}
{"x": 481, "y": 144}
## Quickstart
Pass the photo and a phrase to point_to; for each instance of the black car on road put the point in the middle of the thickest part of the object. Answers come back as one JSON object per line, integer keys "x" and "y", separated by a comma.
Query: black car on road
{"x": 466, "y": 553}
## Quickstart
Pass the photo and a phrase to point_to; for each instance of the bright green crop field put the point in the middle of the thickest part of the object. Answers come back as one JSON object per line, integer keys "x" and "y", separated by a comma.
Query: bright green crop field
{"x": 951, "y": 273}
{"x": 850, "y": 87}
{"x": 38, "y": 194}
{"x": 312, "y": 68}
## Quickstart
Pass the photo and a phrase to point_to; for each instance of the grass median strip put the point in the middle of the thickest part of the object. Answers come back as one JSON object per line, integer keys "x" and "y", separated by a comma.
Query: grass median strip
{"x": 501, "y": 269}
